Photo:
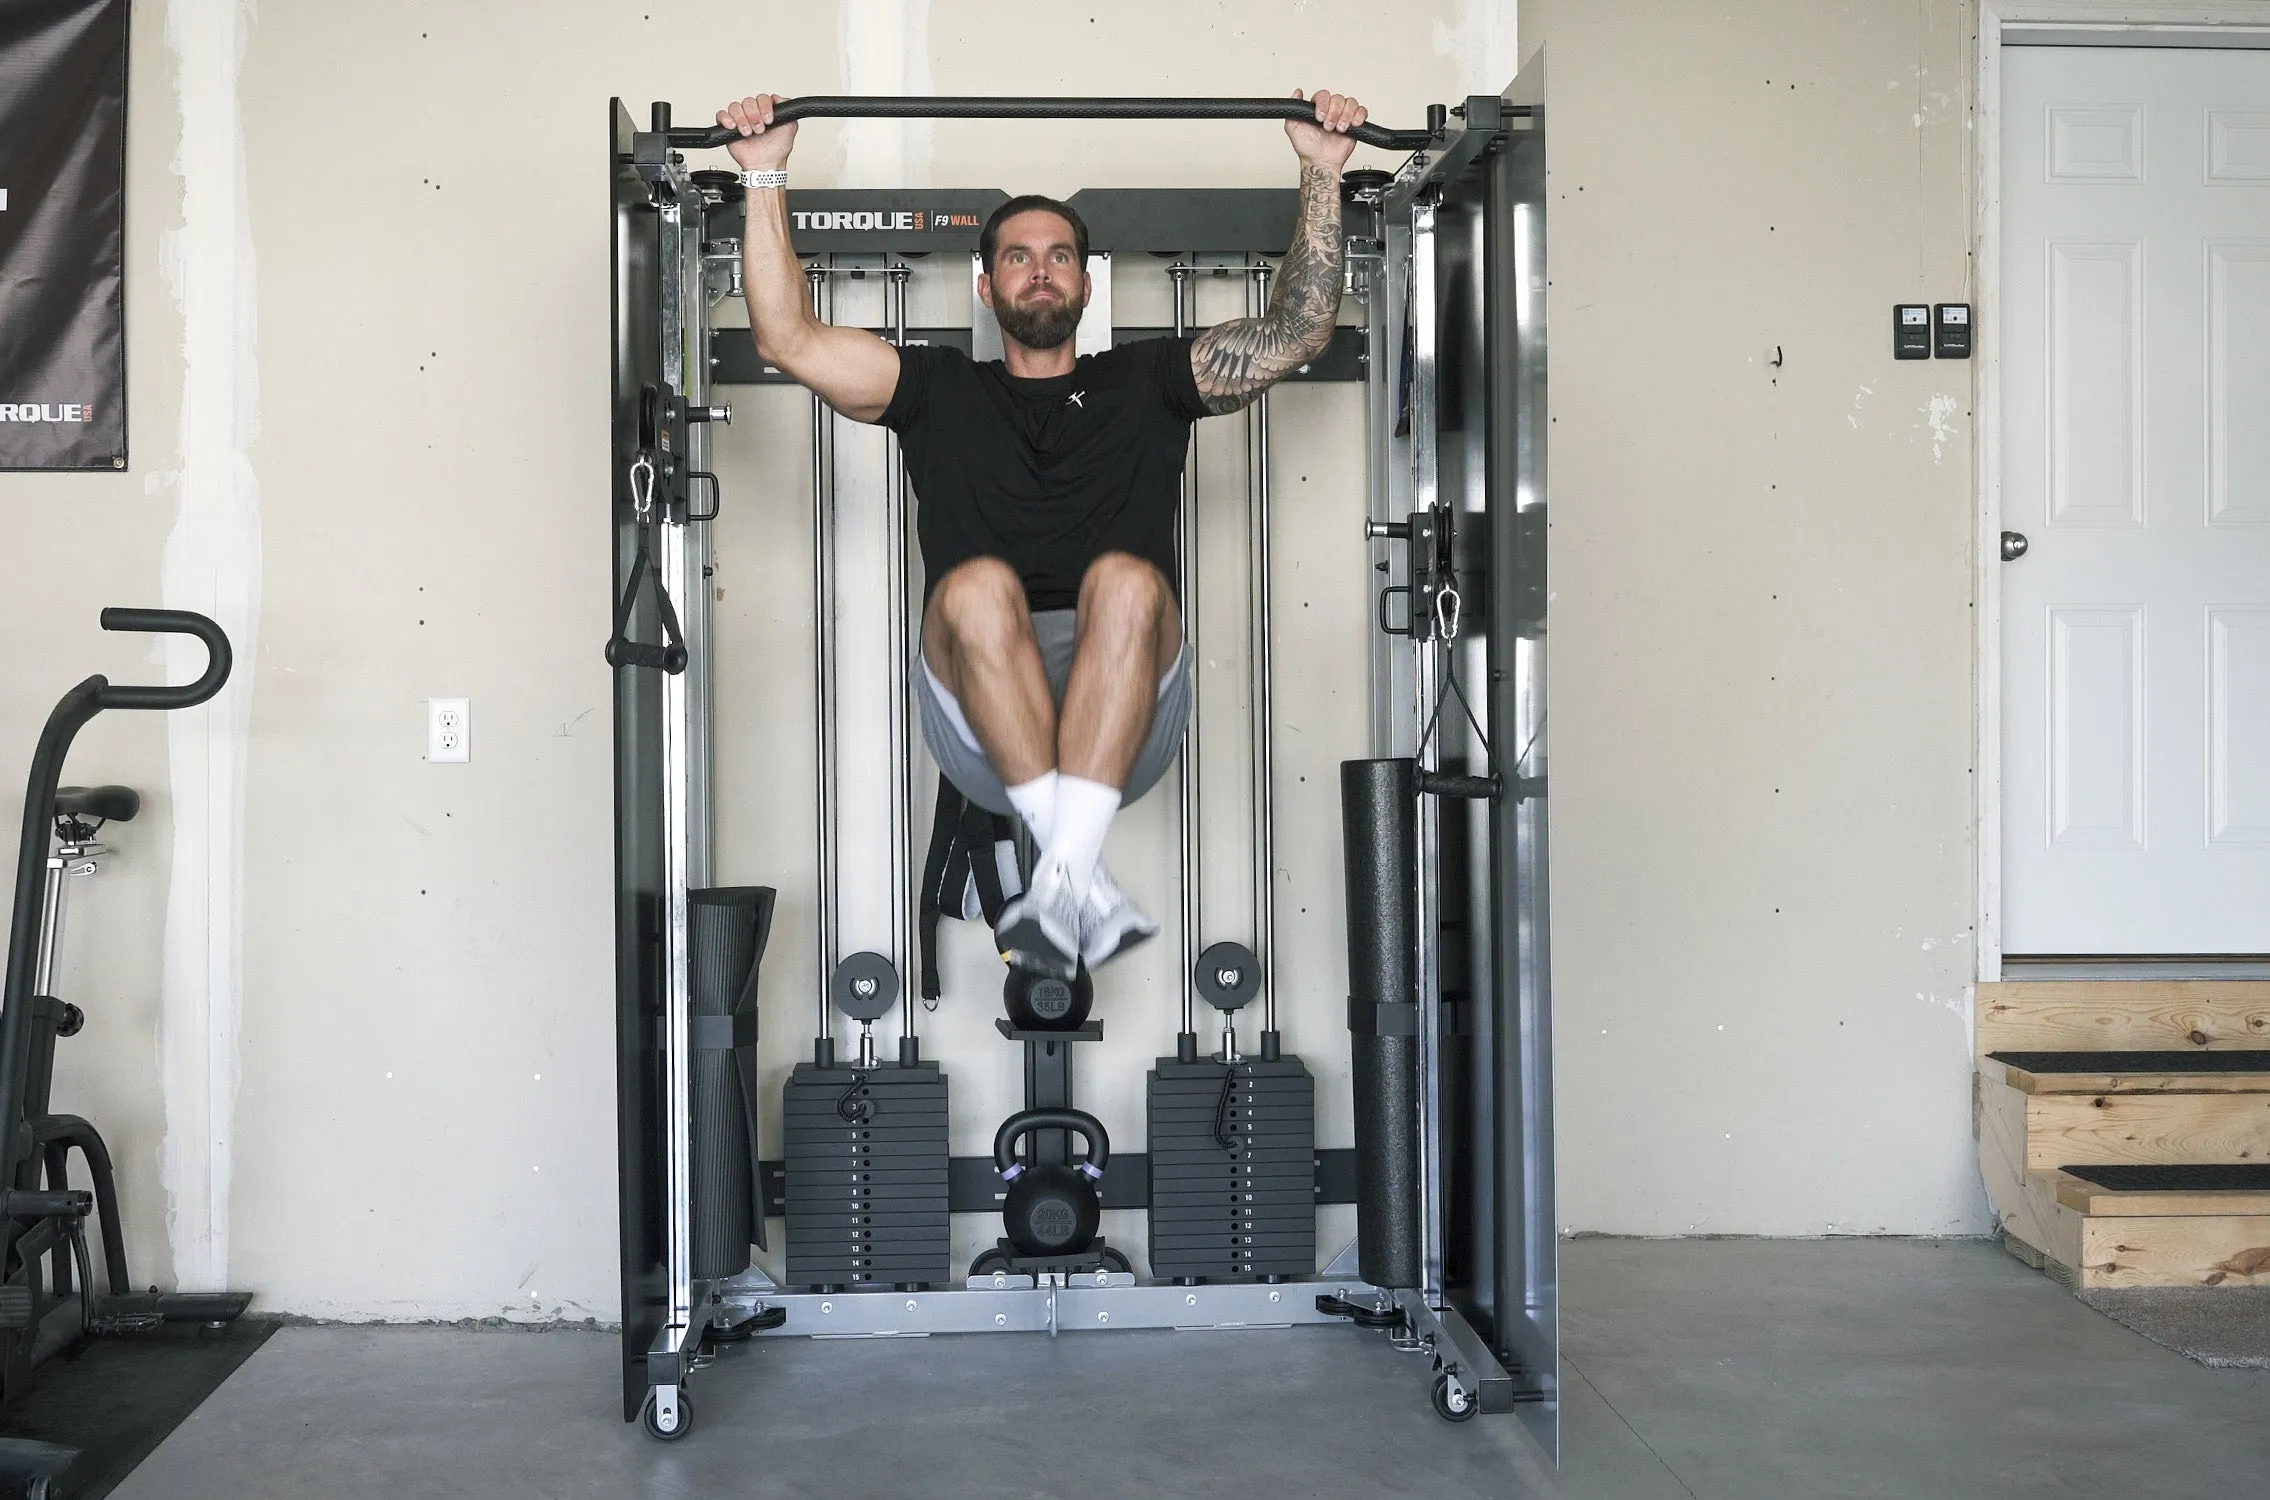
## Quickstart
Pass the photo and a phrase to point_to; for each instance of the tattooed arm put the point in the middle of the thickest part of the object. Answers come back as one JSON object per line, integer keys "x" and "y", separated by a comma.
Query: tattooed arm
{"x": 1235, "y": 362}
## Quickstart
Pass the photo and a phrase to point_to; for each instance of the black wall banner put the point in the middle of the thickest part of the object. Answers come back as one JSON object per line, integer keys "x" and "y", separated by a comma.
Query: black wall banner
{"x": 62, "y": 234}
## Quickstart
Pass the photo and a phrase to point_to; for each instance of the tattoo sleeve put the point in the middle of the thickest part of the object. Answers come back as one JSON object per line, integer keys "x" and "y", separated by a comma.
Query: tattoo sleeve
{"x": 1234, "y": 362}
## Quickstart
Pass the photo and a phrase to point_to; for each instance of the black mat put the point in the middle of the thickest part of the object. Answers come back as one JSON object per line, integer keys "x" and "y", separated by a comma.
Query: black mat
{"x": 2136, "y": 1062}
{"x": 116, "y": 1398}
{"x": 2248, "y": 1177}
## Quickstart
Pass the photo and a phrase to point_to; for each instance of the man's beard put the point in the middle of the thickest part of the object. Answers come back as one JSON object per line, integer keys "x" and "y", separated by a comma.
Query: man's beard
{"x": 1039, "y": 325}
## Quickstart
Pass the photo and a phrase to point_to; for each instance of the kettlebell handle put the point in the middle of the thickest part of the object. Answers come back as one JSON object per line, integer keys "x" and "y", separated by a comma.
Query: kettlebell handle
{"x": 1005, "y": 1140}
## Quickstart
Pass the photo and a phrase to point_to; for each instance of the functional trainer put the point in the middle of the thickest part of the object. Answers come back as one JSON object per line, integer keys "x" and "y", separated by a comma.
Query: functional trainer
{"x": 1447, "y": 1013}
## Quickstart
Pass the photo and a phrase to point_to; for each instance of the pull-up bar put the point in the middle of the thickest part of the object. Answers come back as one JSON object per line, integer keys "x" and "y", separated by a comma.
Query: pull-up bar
{"x": 877, "y": 107}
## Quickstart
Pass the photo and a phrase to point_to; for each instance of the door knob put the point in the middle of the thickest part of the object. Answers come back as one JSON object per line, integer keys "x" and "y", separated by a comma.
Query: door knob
{"x": 2014, "y": 545}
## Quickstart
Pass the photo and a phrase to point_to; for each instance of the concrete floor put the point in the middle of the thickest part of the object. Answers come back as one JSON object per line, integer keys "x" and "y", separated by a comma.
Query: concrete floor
{"x": 1711, "y": 1370}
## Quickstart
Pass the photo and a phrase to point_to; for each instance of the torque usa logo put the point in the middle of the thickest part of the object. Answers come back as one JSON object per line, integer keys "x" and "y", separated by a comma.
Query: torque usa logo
{"x": 882, "y": 221}
{"x": 41, "y": 412}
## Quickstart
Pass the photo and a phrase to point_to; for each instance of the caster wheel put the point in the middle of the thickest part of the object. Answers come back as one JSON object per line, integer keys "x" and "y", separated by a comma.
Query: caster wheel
{"x": 1118, "y": 1261}
{"x": 988, "y": 1262}
{"x": 649, "y": 1419}
{"x": 1451, "y": 1403}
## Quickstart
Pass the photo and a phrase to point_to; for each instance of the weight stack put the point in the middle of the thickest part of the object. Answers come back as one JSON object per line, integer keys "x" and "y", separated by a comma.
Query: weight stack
{"x": 727, "y": 926}
{"x": 865, "y": 1159}
{"x": 1242, "y": 1210}
{"x": 1378, "y": 799}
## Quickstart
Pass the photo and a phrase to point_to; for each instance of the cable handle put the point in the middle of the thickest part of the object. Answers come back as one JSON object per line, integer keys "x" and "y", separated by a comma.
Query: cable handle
{"x": 1057, "y": 107}
{"x": 218, "y": 658}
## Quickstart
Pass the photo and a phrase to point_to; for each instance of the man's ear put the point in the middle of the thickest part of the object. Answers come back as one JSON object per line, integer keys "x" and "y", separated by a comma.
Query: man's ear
{"x": 1087, "y": 288}
{"x": 985, "y": 289}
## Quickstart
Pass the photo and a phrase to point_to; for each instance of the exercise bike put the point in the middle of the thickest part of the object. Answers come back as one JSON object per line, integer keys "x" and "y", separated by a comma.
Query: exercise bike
{"x": 47, "y": 1299}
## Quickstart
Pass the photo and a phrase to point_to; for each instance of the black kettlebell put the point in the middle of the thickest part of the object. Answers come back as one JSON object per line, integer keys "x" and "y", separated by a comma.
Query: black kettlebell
{"x": 1043, "y": 1002}
{"x": 1051, "y": 1210}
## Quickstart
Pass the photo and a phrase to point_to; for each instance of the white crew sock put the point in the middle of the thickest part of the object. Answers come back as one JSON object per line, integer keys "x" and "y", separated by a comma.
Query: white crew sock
{"x": 1084, "y": 811}
{"x": 1035, "y": 802}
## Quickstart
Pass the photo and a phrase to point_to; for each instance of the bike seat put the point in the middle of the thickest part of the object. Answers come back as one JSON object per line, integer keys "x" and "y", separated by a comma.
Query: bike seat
{"x": 119, "y": 804}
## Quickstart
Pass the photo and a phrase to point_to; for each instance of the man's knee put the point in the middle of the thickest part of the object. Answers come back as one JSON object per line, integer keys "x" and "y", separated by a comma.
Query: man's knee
{"x": 1123, "y": 582}
{"x": 979, "y": 597}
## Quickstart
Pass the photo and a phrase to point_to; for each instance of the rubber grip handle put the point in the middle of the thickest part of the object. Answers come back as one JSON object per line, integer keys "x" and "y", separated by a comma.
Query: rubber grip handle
{"x": 218, "y": 658}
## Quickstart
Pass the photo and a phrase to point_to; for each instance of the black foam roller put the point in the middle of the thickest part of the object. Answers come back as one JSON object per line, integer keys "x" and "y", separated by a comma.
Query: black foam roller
{"x": 1378, "y": 799}
{"x": 727, "y": 928}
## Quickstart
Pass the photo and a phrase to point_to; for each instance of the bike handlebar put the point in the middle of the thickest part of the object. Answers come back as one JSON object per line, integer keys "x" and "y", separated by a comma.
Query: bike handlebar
{"x": 169, "y": 622}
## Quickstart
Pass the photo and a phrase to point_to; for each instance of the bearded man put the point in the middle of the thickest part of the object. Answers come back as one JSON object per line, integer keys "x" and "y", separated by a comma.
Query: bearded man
{"x": 1055, "y": 680}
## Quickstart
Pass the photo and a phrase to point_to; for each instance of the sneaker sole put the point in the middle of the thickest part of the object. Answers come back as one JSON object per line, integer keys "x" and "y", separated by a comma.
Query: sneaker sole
{"x": 1024, "y": 936}
{"x": 1134, "y": 937}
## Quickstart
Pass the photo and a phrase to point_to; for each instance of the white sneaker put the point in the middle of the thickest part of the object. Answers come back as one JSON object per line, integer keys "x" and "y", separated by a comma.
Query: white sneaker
{"x": 1041, "y": 928}
{"x": 1110, "y": 922}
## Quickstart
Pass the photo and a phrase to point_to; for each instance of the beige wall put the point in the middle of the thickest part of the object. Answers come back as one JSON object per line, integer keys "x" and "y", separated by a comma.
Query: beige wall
{"x": 1762, "y": 674}
{"x": 423, "y": 1125}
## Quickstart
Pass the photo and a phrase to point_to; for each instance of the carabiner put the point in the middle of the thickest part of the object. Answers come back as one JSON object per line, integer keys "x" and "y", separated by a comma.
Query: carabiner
{"x": 642, "y": 496}
{"x": 1447, "y": 605}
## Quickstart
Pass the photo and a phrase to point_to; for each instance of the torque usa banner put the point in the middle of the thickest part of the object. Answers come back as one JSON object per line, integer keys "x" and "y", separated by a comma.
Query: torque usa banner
{"x": 62, "y": 234}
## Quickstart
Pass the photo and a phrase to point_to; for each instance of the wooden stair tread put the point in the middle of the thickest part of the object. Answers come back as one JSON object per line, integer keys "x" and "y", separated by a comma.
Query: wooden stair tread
{"x": 2165, "y": 1191}
{"x": 2093, "y": 1072}
{"x": 2136, "y": 1062}
{"x": 2124, "y": 1014}
{"x": 2192, "y": 1177}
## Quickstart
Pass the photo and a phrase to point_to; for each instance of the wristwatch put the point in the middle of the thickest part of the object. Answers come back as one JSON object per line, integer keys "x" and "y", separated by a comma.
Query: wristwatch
{"x": 770, "y": 178}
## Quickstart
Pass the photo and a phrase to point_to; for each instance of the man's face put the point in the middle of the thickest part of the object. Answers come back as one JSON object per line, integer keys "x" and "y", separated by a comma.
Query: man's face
{"x": 1036, "y": 288}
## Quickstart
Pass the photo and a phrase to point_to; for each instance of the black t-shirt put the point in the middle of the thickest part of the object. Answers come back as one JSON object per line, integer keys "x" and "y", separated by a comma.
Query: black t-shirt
{"x": 1047, "y": 475}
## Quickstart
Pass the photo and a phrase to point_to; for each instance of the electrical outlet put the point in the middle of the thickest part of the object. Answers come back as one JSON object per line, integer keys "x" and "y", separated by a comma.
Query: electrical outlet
{"x": 449, "y": 729}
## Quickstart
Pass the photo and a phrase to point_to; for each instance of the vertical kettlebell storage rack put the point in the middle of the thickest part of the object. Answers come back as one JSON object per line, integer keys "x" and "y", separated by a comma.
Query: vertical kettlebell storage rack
{"x": 1451, "y": 1172}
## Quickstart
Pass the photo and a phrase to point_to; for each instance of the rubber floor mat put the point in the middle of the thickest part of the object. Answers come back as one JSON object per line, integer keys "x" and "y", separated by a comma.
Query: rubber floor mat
{"x": 115, "y": 1398}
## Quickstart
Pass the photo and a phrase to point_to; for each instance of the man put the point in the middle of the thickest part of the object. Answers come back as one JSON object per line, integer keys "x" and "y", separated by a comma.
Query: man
{"x": 1055, "y": 679}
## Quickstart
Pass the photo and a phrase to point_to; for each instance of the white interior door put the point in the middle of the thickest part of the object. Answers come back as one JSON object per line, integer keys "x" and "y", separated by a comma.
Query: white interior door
{"x": 2136, "y": 462}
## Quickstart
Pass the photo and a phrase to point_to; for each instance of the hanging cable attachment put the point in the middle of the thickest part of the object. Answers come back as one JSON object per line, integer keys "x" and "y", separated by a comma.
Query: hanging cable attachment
{"x": 622, "y": 651}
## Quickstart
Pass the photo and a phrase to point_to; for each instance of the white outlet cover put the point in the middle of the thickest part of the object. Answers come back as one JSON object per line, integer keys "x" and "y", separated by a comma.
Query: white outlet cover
{"x": 449, "y": 729}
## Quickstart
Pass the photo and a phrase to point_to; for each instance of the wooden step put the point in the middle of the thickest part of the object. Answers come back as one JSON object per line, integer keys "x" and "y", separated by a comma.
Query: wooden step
{"x": 2049, "y": 1131}
{"x": 2123, "y": 1015}
{"x": 2161, "y": 1235}
{"x": 2226, "y": 1071}
{"x": 2150, "y": 1211}
{"x": 2161, "y": 1191}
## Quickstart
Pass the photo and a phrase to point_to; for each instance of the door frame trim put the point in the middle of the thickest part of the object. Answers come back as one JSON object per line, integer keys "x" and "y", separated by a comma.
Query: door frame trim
{"x": 2108, "y": 21}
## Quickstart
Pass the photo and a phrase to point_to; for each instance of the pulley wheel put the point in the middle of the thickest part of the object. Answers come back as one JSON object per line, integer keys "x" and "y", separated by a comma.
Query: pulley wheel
{"x": 864, "y": 987}
{"x": 1227, "y": 975}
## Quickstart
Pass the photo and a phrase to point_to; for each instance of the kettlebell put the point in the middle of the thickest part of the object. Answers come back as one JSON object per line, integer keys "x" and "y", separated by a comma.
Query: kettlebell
{"x": 1044, "y": 1002}
{"x": 1051, "y": 1210}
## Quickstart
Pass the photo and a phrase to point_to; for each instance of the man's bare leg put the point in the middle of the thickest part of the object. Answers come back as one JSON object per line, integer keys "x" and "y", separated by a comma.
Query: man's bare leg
{"x": 977, "y": 638}
{"x": 1128, "y": 635}
{"x": 978, "y": 641}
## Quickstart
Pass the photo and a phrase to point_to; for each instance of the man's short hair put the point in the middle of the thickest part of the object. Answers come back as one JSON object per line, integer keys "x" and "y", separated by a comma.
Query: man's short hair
{"x": 989, "y": 238}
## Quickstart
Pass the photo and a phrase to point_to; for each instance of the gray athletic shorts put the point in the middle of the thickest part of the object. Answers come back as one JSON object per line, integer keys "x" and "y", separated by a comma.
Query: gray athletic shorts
{"x": 946, "y": 730}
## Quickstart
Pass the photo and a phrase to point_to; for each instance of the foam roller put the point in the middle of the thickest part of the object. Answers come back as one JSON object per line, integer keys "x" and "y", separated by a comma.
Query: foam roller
{"x": 1378, "y": 799}
{"x": 727, "y": 928}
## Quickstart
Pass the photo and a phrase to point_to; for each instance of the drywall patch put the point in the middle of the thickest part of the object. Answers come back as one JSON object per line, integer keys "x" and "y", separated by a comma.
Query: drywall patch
{"x": 1481, "y": 42}
{"x": 884, "y": 48}
{"x": 1939, "y": 417}
{"x": 211, "y": 565}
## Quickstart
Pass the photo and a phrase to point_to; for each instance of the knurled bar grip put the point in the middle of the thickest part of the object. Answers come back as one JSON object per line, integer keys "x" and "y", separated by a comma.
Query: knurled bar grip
{"x": 1062, "y": 107}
